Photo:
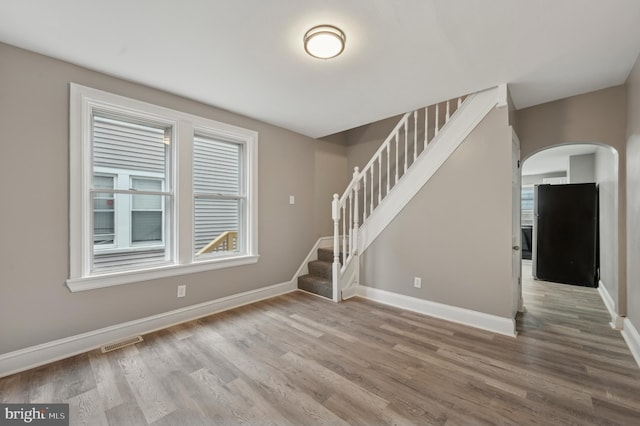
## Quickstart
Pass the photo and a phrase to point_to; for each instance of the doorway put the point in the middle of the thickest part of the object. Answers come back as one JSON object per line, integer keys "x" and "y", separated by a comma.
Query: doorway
{"x": 567, "y": 164}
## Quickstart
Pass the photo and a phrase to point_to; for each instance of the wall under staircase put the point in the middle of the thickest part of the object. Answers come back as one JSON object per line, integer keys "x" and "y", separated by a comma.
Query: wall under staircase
{"x": 455, "y": 234}
{"x": 448, "y": 222}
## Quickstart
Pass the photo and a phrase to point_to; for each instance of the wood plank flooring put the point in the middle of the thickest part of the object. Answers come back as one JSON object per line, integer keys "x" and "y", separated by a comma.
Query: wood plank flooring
{"x": 300, "y": 360}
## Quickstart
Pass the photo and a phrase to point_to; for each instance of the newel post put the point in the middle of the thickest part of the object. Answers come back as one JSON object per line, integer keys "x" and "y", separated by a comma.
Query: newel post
{"x": 356, "y": 211}
{"x": 335, "y": 215}
{"x": 356, "y": 224}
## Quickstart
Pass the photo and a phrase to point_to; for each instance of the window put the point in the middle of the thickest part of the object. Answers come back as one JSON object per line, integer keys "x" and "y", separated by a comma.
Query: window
{"x": 147, "y": 212}
{"x": 130, "y": 164}
{"x": 127, "y": 192}
{"x": 218, "y": 196}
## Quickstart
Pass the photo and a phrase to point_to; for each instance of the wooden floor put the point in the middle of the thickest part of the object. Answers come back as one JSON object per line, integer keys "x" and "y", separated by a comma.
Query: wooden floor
{"x": 298, "y": 359}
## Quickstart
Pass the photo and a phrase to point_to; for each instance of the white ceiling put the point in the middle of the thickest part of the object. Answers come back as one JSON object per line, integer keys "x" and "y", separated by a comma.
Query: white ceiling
{"x": 247, "y": 56}
{"x": 554, "y": 159}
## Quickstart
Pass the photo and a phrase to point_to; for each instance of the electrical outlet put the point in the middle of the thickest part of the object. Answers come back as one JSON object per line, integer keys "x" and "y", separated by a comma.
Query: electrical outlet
{"x": 182, "y": 290}
{"x": 292, "y": 199}
{"x": 417, "y": 282}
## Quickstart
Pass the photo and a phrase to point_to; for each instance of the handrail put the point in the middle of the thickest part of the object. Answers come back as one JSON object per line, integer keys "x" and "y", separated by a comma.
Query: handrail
{"x": 224, "y": 241}
{"x": 404, "y": 118}
{"x": 375, "y": 179}
{"x": 350, "y": 187}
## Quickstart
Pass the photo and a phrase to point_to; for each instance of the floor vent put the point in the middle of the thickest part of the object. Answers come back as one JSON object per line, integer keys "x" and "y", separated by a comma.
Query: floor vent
{"x": 115, "y": 346}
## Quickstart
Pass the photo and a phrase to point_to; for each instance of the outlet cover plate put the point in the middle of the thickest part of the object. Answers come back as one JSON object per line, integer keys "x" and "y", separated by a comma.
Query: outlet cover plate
{"x": 182, "y": 290}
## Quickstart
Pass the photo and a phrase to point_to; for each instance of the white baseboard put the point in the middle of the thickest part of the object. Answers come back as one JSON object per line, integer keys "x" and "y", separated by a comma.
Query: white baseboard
{"x": 496, "y": 324}
{"x": 350, "y": 292}
{"x": 632, "y": 337}
{"x": 24, "y": 359}
{"x": 616, "y": 320}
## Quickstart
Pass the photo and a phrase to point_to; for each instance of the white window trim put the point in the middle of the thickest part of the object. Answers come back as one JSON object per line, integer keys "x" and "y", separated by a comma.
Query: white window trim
{"x": 82, "y": 101}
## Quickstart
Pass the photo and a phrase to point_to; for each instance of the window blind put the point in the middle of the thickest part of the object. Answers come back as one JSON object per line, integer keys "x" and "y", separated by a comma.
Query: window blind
{"x": 217, "y": 185}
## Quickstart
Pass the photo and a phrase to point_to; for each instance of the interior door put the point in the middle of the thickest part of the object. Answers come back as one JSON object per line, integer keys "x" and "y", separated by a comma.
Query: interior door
{"x": 516, "y": 273}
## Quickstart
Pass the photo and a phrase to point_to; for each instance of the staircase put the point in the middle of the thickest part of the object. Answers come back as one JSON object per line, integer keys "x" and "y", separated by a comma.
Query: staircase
{"x": 319, "y": 280}
{"x": 415, "y": 149}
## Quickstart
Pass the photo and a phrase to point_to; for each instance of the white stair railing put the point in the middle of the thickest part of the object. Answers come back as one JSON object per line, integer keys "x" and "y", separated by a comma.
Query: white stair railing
{"x": 369, "y": 186}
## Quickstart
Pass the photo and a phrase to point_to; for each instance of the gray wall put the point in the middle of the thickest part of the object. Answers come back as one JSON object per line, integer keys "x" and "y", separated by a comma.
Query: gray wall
{"x": 331, "y": 177}
{"x": 596, "y": 117}
{"x": 537, "y": 179}
{"x": 582, "y": 168}
{"x": 456, "y": 233}
{"x": 35, "y": 305}
{"x": 633, "y": 195}
{"x": 606, "y": 165}
{"x": 364, "y": 141}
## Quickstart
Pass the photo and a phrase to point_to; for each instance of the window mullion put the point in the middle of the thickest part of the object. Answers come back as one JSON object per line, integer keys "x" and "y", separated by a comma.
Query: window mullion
{"x": 184, "y": 190}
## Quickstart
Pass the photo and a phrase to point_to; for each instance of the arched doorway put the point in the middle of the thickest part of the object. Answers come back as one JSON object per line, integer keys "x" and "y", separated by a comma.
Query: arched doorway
{"x": 576, "y": 163}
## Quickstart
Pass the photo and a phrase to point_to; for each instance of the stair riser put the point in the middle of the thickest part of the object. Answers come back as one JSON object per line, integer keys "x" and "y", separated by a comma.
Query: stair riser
{"x": 326, "y": 255}
{"x": 321, "y": 269}
{"x": 316, "y": 286}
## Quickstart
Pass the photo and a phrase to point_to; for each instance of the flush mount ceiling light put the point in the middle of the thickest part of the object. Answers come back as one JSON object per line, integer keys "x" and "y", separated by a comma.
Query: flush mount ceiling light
{"x": 324, "y": 41}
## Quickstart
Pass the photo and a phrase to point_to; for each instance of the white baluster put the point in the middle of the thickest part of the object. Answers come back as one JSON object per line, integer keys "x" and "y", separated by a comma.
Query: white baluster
{"x": 415, "y": 135}
{"x": 459, "y": 102}
{"x": 351, "y": 220}
{"x": 364, "y": 196}
{"x": 380, "y": 178}
{"x": 344, "y": 233}
{"x": 406, "y": 145}
{"x": 371, "y": 206}
{"x": 447, "y": 117}
{"x": 436, "y": 123}
{"x": 388, "y": 167}
{"x": 426, "y": 127}
{"x": 396, "y": 158}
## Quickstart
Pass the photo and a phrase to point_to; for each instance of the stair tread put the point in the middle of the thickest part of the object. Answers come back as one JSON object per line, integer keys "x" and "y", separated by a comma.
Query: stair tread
{"x": 316, "y": 279}
{"x": 320, "y": 261}
{"x": 328, "y": 249}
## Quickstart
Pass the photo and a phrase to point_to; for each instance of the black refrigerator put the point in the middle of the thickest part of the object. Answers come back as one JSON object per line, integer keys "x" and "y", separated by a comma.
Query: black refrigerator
{"x": 565, "y": 234}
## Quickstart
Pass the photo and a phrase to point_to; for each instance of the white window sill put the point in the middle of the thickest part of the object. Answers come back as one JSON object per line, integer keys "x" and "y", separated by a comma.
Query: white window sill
{"x": 164, "y": 271}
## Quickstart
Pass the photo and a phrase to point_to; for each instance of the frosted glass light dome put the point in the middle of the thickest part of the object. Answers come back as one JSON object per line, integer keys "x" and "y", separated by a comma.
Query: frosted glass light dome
{"x": 324, "y": 41}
